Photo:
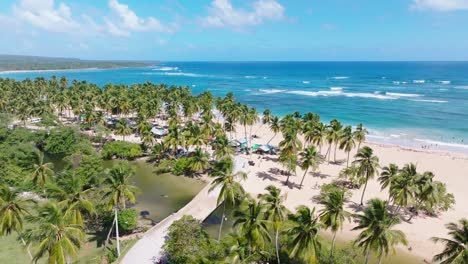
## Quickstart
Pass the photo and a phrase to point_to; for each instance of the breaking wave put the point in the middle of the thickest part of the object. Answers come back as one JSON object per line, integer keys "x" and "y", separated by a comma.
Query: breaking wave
{"x": 271, "y": 91}
{"x": 165, "y": 69}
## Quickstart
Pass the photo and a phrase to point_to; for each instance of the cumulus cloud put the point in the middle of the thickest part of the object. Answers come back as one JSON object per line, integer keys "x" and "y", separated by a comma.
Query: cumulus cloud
{"x": 440, "y": 5}
{"x": 223, "y": 14}
{"x": 131, "y": 22}
{"x": 46, "y": 15}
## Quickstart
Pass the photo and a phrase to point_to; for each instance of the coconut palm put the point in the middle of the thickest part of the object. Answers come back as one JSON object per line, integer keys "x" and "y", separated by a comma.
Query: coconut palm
{"x": 334, "y": 135}
{"x": 303, "y": 231}
{"x": 347, "y": 142}
{"x": 194, "y": 135}
{"x": 230, "y": 189}
{"x": 387, "y": 175}
{"x": 377, "y": 232}
{"x": 309, "y": 160}
{"x": 402, "y": 188}
{"x": 54, "y": 236}
{"x": 274, "y": 126}
{"x": 122, "y": 128}
{"x": 199, "y": 160}
{"x": 333, "y": 214}
{"x": 223, "y": 150}
{"x": 318, "y": 135}
{"x": 360, "y": 135}
{"x": 147, "y": 138}
{"x": 174, "y": 139}
{"x": 266, "y": 118}
{"x": 251, "y": 224}
{"x": 12, "y": 210}
{"x": 275, "y": 211}
{"x": 367, "y": 165}
{"x": 42, "y": 171}
{"x": 456, "y": 247}
{"x": 72, "y": 193}
{"x": 118, "y": 189}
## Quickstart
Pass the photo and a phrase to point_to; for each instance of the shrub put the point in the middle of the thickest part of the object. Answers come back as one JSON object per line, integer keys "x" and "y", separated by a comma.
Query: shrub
{"x": 121, "y": 149}
{"x": 127, "y": 220}
{"x": 181, "y": 166}
{"x": 62, "y": 141}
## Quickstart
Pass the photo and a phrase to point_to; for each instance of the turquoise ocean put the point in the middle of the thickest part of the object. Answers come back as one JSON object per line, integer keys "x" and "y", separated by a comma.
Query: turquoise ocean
{"x": 412, "y": 104}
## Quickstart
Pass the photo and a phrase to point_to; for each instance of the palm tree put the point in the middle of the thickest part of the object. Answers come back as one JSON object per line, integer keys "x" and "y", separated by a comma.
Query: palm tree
{"x": 72, "y": 193}
{"x": 402, "y": 188}
{"x": 274, "y": 126}
{"x": 333, "y": 214}
{"x": 377, "y": 234}
{"x": 367, "y": 165}
{"x": 275, "y": 211}
{"x": 118, "y": 188}
{"x": 347, "y": 142}
{"x": 388, "y": 175}
{"x": 231, "y": 190}
{"x": 54, "y": 235}
{"x": 224, "y": 150}
{"x": 304, "y": 230}
{"x": 309, "y": 160}
{"x": 42, "y": 171}
{"x": 266, "y": 118}
{"x": 318, "y": 135}
{"x": 251, "y": 224}
{"x": 12, "y": 210}
{"x": 360, "y": 135}
{"x": 456, "y": 248}
{"x": 122, "y": 128}
{"x": 174, "y": 139}
{"x": 199, "y": 160}
{"x": 334, "y": 136}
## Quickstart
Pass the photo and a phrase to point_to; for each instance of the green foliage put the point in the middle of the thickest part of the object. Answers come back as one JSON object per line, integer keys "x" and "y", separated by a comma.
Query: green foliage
{"x": 181, "y": 166}
{"x": 121, "y": 149}
{"x": 62, "y": 141}
{"x": 127, "y": 219}
{"x": 188, "y": 243}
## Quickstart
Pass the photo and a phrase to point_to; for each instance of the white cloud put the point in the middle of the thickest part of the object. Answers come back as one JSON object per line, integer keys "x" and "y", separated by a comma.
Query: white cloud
{"x": 44, "y": 14}
{"x": 440, "y": 5}
{"x": 131, "y": 22}
{"x": 223, "y": 14}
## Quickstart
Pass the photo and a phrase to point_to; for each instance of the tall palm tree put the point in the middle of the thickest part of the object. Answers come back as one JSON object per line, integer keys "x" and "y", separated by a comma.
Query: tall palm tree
{"x": 333, "y": 213}
{"x": 230, "y": 189}
{"x": 199, "y": 160}
{"x": 266, "y": 118}
{"x": 347, "y": 142}
{"x": 118, "y": 186}
{"x": 403, "y": 189}
{"x": 303, "y": 231}
{"x": 318, "y": 135}
{"x": 12, "y": 210}
{"x": 456, "y": 247}
{"x": 275, "y": 127}
{"x": 122, "y": 128}
{"x": 251, "y": 223}
{"x": 275, "y": 211}
{"x": 174, "y": 139}
{"x": 360, "y": 135}
{"x": 377, "y": 232}
{"x": 42, "y": 171}
{"x": 224, "y": 150}
{"x": 54, "y": 236}
{"x": 309, "y": 160}
{"x": 335, "y": 132}
{"x": 72, "y": 193}
{"x": 367, "y": 165}
{"x": 387, "y": 175}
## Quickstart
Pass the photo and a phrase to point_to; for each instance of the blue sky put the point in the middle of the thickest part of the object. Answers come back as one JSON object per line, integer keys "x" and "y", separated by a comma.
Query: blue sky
{"x": 237, "y": 29}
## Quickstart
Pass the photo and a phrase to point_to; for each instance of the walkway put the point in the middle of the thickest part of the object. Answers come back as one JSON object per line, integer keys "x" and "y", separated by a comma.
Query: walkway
{"x": 148, "y": 249}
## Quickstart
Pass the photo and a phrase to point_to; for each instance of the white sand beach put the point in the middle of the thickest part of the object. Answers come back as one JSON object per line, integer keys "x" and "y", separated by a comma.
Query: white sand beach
{"x": 450, "y": 168}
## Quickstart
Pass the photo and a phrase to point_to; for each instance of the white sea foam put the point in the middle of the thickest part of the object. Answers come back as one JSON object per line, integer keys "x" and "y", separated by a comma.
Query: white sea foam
{"x": 443, "y": 89}
{"x": 336, "y": 88}
{"x": 194, "y": 85}
{"x": 265, "y": 77}
{"x": 453, "y": 145}
{"x": 341, "y": 93}
{"x": 396, "y": 82}
{"x": 249, "y": 77}
{"x": 464, "y": 87}
{"x": 271, "y": 91}
{"x": 445, "y": 82}
{"x": 340, "y": 77}
{"x": 402, "y": 95}
{"x": 305, "y": 82}
{"x": 166, "y": 69}
{"x": 419, "y": 81}
{"x": 429, "y": 101}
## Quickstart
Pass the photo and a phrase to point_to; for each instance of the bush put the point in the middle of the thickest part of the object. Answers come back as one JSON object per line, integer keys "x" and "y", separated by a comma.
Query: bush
{"x": 62, "y": 141}
{"x": 181, "y": 166}
{"x": 121, "y": 149}
{"x": 127, "y": 220}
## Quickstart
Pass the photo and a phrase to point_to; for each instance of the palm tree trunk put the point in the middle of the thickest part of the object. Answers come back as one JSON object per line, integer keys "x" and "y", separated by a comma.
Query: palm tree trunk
{"x": 271, "y": 139}
{"x": 332, "y": 247}
{"x": 347, "y": 160}
{"x": 367, "y": 256}
{"x": 246, "y": 139}
{"x": 27, "y": 248}
{"x": 222, "y": 220}
{"x": 363, "y": 191}
{"x": 380, "y": 258}
{"x": 276, "y": 245}
{"x": 334, "y": 155}
{"x": 303, "y": 177}
{"x": 328, "y": 153}
{"x": 287, "y": 179}
{"x": 358, "y": 147}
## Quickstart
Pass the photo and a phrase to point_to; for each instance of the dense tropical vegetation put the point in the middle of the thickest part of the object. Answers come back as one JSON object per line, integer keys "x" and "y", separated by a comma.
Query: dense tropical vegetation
{"x": 180, "y": 133}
